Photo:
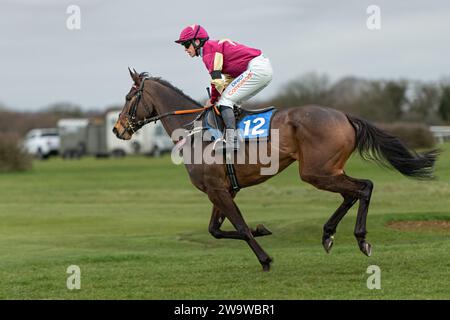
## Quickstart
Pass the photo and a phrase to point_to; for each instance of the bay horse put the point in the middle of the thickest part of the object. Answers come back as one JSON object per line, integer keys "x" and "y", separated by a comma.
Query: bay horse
{"x": 320, "y": 139}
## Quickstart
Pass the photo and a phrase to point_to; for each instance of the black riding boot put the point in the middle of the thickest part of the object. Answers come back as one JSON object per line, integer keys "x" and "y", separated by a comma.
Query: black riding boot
{"x": 231, "y": 135}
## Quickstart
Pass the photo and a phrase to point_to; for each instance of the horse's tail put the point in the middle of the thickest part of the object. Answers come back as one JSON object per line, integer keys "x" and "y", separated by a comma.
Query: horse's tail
{"x": 379, "y": 146}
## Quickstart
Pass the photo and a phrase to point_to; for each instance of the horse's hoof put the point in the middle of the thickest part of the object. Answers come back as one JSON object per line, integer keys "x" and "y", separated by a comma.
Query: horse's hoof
{"x": 266, "y": 264}
{"x": 365, "y": 248}
{"x": 328, "y": 243}
{"x": 266, "y": 267}
{"x": 261, "y": 230}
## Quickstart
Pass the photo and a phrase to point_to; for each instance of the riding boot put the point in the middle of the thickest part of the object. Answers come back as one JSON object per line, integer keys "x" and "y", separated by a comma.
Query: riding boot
{"x": 231, "y": 135}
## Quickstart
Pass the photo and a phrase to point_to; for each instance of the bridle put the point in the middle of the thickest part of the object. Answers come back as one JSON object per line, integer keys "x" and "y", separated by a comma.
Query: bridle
{"x": 135, "y": 125}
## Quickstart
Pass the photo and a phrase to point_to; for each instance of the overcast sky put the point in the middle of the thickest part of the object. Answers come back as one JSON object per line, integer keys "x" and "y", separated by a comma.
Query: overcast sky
{"x": 43, "y": 62}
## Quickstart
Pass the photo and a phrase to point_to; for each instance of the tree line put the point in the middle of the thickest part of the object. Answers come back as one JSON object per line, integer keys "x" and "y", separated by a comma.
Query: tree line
{"x": 383, "y": 101}
{"x": 379, "y": 101}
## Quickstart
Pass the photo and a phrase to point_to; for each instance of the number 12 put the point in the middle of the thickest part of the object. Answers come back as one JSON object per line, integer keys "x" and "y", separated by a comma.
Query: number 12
{"x": 258, "y": 123}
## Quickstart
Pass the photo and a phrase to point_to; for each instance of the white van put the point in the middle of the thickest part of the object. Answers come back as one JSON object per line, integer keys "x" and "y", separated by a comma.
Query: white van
{"x": 42, "y": 143}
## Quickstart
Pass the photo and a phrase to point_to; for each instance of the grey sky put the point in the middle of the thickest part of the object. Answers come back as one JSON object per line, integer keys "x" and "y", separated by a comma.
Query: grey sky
{"x": 42, "y": 62}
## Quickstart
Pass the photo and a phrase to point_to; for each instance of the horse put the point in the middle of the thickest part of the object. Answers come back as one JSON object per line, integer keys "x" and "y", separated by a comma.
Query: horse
{"x": 319, "y": 138}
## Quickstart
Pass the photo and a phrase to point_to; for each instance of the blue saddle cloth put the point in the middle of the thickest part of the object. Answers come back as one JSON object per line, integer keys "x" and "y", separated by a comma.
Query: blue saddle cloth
{"x": 253, "y": 124}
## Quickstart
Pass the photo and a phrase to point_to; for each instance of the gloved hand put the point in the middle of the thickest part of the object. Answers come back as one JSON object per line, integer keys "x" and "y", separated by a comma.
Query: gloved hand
{"x": 208, "y": 103}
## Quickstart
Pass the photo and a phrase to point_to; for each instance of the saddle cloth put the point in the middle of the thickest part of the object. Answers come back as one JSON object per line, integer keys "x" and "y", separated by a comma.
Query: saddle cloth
{"x": 252, "y": 124}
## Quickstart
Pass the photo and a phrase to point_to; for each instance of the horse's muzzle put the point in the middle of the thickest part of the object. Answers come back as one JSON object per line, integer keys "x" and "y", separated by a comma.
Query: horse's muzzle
{"x": 116, "y": 132}
{"x": 122, "y": 134}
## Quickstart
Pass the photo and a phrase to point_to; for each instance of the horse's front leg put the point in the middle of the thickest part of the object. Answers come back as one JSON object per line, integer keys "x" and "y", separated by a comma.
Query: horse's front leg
{"x": 217, "y": 218}
{"x": 223, "y": 200}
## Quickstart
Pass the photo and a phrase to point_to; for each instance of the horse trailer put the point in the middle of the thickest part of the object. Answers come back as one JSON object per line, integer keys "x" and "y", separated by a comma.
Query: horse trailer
{"x": 95, "y": 137}
{"x": 73, "y": 137}
{"x": 151, "y": 139}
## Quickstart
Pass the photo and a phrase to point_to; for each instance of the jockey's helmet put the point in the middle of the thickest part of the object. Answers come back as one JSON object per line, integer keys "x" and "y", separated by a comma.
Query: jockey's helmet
{"x": 191, "y": 33}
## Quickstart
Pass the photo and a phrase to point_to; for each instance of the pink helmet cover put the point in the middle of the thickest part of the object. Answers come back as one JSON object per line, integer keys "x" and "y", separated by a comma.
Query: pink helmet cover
{"x": 194, "y": 31}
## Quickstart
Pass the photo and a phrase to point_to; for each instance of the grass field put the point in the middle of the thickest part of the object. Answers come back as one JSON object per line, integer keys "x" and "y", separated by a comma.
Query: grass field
{"x": 138, "y": 229}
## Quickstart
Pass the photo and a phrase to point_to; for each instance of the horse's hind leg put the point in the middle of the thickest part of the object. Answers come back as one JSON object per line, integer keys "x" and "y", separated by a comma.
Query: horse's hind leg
{"x": 360, "y": 227}
{"x": 329, "y": 229}
{"x": 217, "y": 218}
{"x": 351, "y": 189}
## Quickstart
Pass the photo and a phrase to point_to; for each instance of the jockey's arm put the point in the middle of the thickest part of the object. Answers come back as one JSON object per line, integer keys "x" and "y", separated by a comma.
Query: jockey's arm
{"x": 219, "y": 81}
{"x": 216, "y": 73}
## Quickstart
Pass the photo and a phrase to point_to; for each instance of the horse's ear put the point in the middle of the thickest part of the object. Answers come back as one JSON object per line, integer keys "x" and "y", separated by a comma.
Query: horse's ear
{"x": 131, "y": 72}
{"x": 134, "y": 75}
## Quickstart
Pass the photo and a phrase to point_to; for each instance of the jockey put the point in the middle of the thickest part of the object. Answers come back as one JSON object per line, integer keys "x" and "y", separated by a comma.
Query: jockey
{"x": 237, "y": 73}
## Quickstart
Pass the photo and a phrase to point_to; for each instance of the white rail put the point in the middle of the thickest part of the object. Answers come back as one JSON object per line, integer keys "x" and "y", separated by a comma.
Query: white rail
{"x": 441, "y": 133}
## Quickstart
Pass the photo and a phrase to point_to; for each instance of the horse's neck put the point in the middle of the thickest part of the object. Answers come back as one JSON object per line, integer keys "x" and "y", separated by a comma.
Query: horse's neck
{"x": 168, "y": 100}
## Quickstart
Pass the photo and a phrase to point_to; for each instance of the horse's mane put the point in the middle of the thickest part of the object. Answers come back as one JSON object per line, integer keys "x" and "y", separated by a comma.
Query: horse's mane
{"x": 171, "y": 86}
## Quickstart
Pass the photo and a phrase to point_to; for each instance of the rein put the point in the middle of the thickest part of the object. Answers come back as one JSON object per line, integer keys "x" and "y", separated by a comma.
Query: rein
{"x": 172, "y": 113}
{"x": 131, "y": 116}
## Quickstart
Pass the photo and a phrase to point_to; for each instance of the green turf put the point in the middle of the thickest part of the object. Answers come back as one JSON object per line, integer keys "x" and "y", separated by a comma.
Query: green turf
{"x": 138, "y": 229}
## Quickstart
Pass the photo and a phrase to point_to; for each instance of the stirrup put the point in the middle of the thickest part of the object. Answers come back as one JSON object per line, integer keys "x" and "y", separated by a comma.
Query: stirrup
{"x": 224, "y": 144}
{"x": 219, "y": 143}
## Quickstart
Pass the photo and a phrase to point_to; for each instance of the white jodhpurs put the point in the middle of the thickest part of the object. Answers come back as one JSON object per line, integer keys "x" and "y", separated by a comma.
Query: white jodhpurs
{"x": 257, "y": 76}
